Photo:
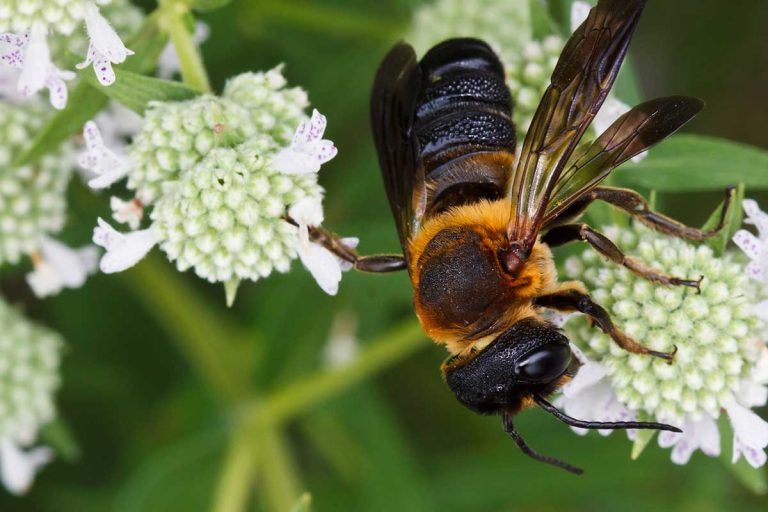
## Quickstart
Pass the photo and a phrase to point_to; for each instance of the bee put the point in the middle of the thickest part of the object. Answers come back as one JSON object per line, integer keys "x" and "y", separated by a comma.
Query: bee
{"x": 477, "y": 217}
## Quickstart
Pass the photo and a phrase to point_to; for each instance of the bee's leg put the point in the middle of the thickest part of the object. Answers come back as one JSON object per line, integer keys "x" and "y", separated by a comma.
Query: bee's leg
{"x": 374, "y": 263}
{"x": 636, "y": 206}
{"x": 575, "y": 300}
{"x": 560, "y": 235}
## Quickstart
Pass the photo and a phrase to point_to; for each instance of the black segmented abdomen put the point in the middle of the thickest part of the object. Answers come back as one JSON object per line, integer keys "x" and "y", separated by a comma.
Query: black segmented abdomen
{"x": 463, "y": 120}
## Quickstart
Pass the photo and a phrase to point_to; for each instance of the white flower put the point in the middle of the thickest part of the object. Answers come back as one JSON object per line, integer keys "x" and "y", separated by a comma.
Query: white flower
{"x": 37, "y": 70}
{"x": 123, "y": 250}
{"x": 127, "y": 212}
{"x": 104, "y": 48}
{"x": 324, "y": 266}
{"x": 590, "y": 397}
{"x": 168, "y": 63}
{"x": 18, "y": 467}
{"x": 750, "y": 434}
{"x": 308, "y": 150}
{"x": 698, "y": 434}
{"x": 579, "y": 13}
{"x": 58, "y": 266}
{"x": 100, "y": 160}
{"x": 755, "y": 247}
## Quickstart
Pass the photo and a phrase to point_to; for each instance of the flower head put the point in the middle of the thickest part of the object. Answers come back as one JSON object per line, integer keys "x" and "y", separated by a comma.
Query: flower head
{"x": 225, "y": 216}
{"x": 29, "y": 363}
{"x": 717, "y": 335}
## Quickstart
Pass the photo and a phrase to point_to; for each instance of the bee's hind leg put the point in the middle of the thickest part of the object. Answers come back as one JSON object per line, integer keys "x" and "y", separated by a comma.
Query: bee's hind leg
{"x": 375, "y": 263}
{"x": 571, "y": 299}
{"x": 635, "y": 205}
{"x": 560, "y": 235}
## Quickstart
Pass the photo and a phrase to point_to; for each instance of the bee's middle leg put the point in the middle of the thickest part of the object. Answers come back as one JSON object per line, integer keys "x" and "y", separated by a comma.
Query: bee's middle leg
{"x": 570, "y": 300}
{"x": 560, "y": 235}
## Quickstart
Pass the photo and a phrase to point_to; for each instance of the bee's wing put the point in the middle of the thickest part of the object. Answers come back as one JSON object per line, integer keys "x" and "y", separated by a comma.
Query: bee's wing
{"x": 393, "y": 106}
{"x": 587, "y": 68}
{"x": 631, "y": 134}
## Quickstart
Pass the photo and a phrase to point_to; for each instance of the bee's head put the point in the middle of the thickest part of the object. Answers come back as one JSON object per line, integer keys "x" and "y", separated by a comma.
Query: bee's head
{"x": 523, "y": 365}
{"x": 529, "y": 359}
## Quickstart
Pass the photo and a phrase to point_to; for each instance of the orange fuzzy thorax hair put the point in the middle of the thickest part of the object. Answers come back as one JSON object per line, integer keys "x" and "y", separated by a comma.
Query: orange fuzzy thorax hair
{"x": 488, "y": 221}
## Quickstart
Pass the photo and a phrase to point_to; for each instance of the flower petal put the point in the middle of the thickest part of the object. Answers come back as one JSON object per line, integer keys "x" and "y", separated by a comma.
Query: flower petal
{"x": 748, "y": 243}
{"x": 123, "y": 250}
{"x": 322, "y": 264}
{"x": 61, "y": 267}
{"x": 37, "y": 61}
{"x": 18, "y": 468}
{"x": 103, "y": 37}
{"x": 127, "y": 212}
{"x": 307, "y": 211}
{"x": 750, "y": 428}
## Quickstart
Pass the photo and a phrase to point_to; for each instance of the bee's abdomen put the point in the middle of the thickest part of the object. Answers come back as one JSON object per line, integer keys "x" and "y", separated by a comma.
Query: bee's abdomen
{"x": 463, "y": 122}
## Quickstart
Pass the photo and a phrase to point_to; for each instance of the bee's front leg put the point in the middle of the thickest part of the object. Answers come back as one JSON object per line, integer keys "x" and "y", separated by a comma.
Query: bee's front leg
{"x": 560, "y": 235}
{"x": 374, "y": 263}
{"x": 570, "y": 300}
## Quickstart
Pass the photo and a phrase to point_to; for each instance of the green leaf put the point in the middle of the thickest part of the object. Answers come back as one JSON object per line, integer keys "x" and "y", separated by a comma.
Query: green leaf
{"x": 695, "y": 163}
{"x": 733, "y": 219}
{"x": 303, "y": 504}
{"x": 136, "y": 91}
{"x": 208, "y": 5}
{"x": 58, "y": 435}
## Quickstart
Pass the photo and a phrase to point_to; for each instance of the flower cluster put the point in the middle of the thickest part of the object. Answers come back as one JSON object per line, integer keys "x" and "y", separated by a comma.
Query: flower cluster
{"x": 33, "y": 206}
{"x": 231, "y": 180}
{"x": 29, "y": 365}
{"x": 721, "y": 361}
{"x": 25, "y": 31}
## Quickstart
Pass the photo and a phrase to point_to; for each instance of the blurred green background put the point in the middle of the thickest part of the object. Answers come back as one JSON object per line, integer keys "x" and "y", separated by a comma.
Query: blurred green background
{"x": 152, "y": 433}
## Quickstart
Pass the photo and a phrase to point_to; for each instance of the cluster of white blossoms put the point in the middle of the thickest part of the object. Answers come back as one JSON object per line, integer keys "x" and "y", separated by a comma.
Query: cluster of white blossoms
{"x": 29, "y": 366}
{"x": 232, "y": 182}
{"x": 721, "y": 363}
{"x": 26, "y": 27}
{"x": 33, "y": 206}
{"x": 506, "y": 26}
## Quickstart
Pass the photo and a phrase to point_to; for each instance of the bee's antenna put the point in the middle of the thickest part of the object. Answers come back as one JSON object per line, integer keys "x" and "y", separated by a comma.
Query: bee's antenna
{"x": 610, "y": 425}
{"x": 509, "y": 428}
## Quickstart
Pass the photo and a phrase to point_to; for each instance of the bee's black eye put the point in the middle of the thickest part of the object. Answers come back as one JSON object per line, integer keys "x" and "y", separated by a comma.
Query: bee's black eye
{"x": 544, "y": 364}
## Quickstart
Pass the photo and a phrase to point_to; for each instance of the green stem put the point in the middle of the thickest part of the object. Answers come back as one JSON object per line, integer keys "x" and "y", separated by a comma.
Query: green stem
{"x": 305, "y": 393}
{"x": 237, "y": 475}
{"x": 172, "y": 20}
{"x": 281, "y": 483}
{"x": 194, "y": 325}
